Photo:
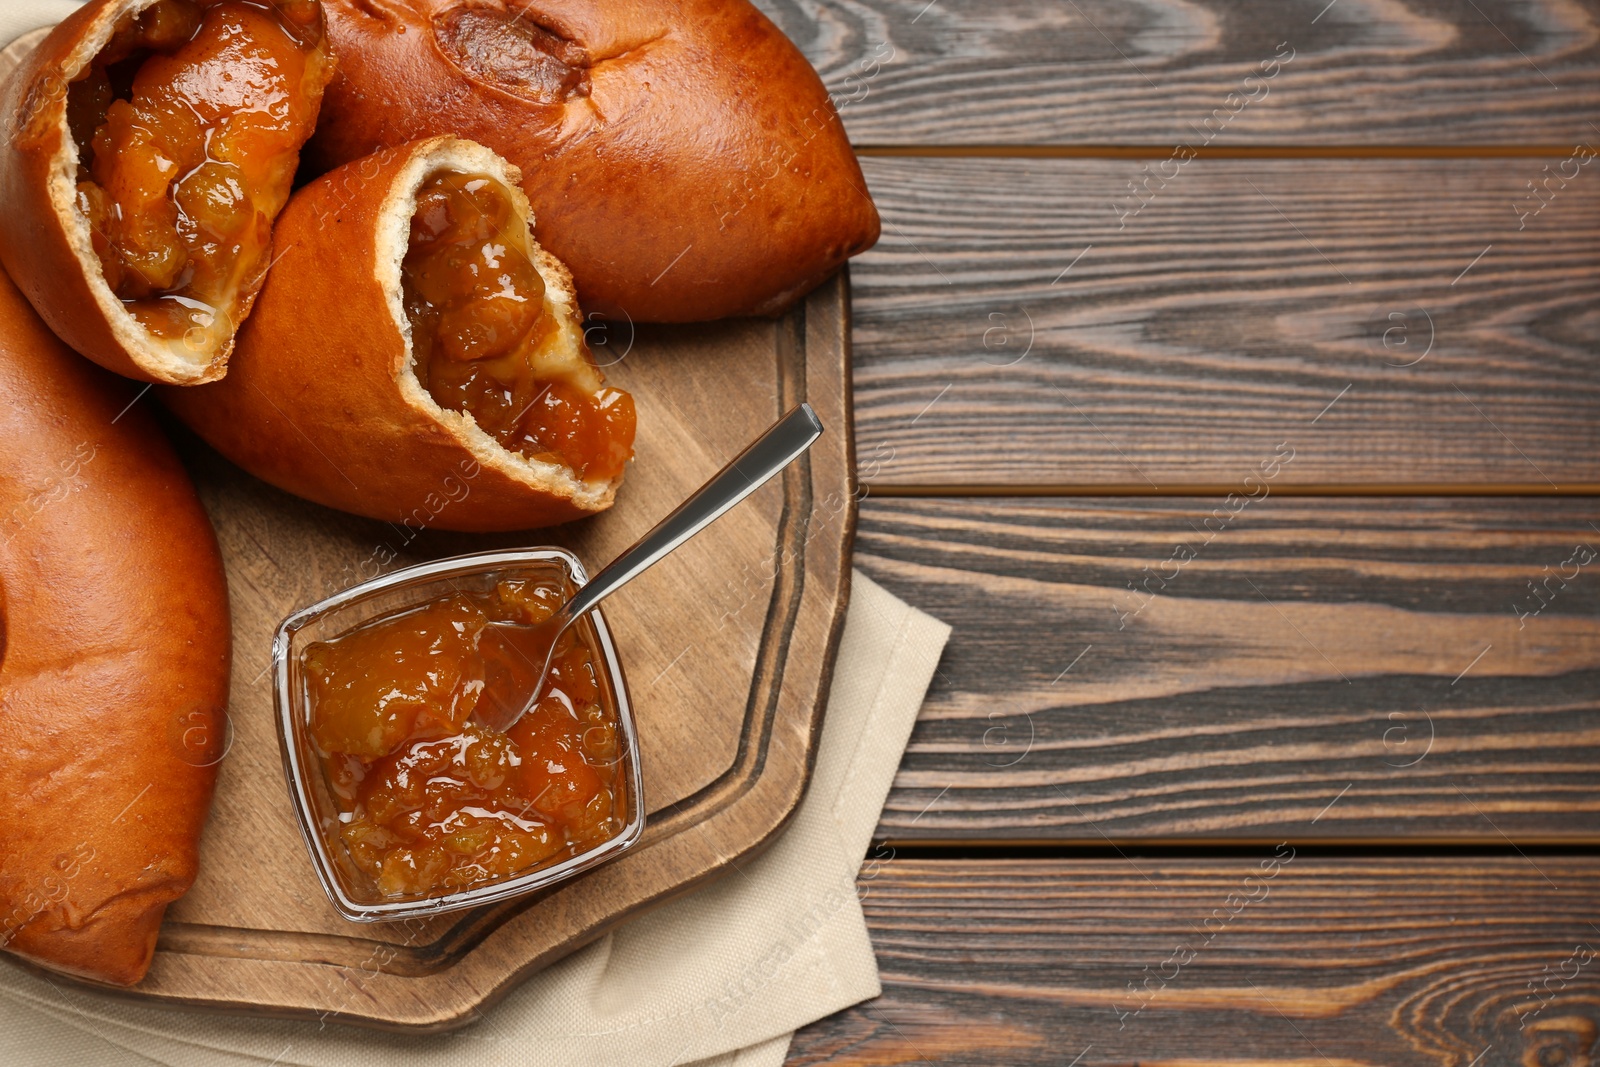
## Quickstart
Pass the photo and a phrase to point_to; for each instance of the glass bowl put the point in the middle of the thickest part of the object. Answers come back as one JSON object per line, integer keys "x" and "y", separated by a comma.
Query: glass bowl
{"x": 350, "y": 889}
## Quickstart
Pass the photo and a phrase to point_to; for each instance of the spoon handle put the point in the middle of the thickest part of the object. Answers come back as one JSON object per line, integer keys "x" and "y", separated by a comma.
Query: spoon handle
{"x": 774, "y": 450}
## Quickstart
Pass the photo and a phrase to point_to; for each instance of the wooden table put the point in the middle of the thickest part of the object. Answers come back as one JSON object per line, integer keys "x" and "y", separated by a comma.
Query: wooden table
{"x": 1227, "y": 376}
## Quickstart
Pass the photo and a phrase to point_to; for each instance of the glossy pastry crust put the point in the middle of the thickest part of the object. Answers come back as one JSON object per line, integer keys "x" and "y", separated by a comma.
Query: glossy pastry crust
{"x": 322, "y": 400}
{"x": 46, "y": 241}
{"x": 114, "y": 679}
{"x": 685, "y": 160}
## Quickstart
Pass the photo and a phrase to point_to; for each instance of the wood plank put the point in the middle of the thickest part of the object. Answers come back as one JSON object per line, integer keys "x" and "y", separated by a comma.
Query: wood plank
{"x": 1308, "y": 669}
{"x": 1385, "y": 317}
{"x": 1390, "y": 962}
{"x": 1358, "y": 72}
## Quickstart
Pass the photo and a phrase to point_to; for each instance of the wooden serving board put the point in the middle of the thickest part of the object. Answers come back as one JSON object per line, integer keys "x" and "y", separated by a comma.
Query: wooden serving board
{"x": 727, "y": 645}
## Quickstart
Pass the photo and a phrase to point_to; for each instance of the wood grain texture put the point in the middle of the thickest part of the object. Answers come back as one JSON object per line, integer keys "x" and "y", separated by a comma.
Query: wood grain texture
{"x": 727, "y": 677}
{"x": 1386, "y": 317}
{"x": 1305, "y": 669}
{"x": 1363, "y": 72}
{"x": 1397, "y": 962}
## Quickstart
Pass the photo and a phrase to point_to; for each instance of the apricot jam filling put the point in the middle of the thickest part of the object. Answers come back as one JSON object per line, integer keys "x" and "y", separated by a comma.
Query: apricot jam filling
{"x": 189, "y": 125}
{"x": 487, "y": 342}
{"x": 430, "y": 800}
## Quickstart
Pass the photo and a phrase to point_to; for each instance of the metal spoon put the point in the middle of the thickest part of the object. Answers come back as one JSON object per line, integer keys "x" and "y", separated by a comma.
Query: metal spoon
{"x": 774, "y": 450}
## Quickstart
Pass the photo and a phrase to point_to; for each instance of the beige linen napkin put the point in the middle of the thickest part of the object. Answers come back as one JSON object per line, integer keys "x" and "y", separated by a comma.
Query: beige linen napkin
{"x": 17, "y": 17}
{"x": 720, "y": 978}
